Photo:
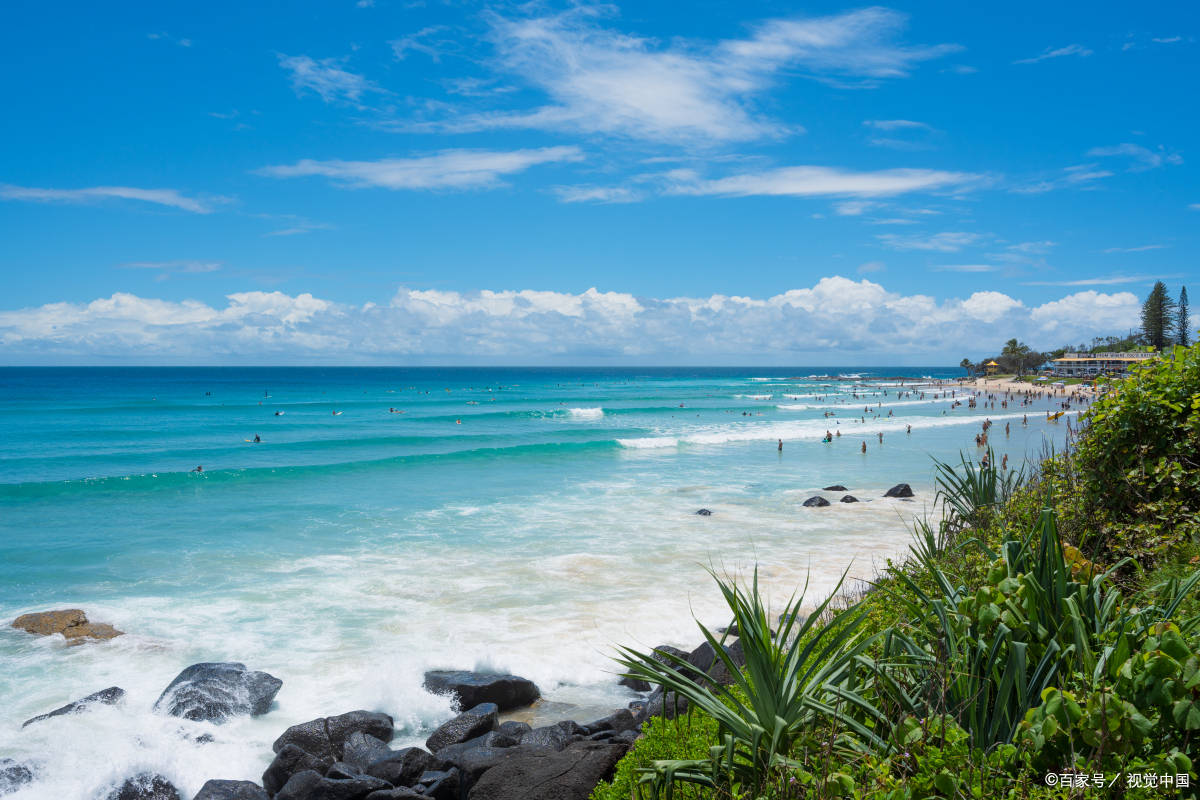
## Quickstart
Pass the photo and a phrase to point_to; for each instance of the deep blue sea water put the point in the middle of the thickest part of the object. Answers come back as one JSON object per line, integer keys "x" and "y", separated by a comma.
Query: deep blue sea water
{"x": 393, "y": 520}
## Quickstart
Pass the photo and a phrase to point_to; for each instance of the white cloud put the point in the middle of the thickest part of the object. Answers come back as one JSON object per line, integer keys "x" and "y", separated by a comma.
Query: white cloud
{"x": 946, "y": 242}
{"x": 178, "y": 267}
{"x": 1143, "y": 158}
{"x": 448, "y": 169}
{"x": 327, "y": 78}
{"x": 1057, "y": 52}
{"x": 599, "y": 80}
{"x": 897, "y": 125}
{"x": 163, "y": 197}
{"x": 1111, "y": 280}
{"x": 965, "y": 268}
{"x": 427, "y": 41}
{"x": 1140, "y": 249}
{"x": 836, "y": 315}
{"x": 597, "y": 194}
{"x": 810, "y": 181}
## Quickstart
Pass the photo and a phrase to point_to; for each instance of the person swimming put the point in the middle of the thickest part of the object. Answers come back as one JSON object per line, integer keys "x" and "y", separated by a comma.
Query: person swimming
{"x": 199, "y": 468}
{"x": 864, "y": 447}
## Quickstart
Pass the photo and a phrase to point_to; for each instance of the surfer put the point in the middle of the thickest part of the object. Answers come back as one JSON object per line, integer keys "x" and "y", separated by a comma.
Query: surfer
{"x": 256, "y": 439}
{"x": 199, "y": 468}
{"x": 279, "y": 413}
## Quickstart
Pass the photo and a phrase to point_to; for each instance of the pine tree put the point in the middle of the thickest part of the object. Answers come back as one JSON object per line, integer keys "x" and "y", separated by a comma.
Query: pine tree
{"x": 1181, "y": 318}
{"x": 1158, "y": 317}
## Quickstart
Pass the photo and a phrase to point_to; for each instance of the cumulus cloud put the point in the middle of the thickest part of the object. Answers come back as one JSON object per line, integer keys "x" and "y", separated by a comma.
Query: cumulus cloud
{"x": 600, "y": 80}
{"x": 163, "y": 197}
{"x": 837, "y": 316}
{"x": 448, "y": 169}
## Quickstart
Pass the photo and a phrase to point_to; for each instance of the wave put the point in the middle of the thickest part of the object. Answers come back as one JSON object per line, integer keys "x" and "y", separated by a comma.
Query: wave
{"x": 649, "y": 442}
{"x": 586, "y": 413}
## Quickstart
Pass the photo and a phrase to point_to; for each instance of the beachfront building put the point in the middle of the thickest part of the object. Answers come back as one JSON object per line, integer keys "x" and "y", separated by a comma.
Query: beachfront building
{"x": 991, "y": 367}
{"x": 1084, "y": 365}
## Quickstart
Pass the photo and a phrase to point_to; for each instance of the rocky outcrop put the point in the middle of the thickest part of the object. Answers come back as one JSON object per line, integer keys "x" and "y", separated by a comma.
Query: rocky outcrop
{"x": 704, "y": 512}
{"x": 816, "y": 501}
{"x": 567, "y": 774}
{"x": 231, "y": 790}
{"x": 658, "y": 654}
{"x": 214, "y": 692}
{"x": 837, "y": 487}
{"x": 899, "y": 490}
{"x": 13, "y": 775}
{"x": 72, "y": 623}
{"x": 848, "y": 499}
{"x": 473, "y": 688}
{"x": 146, "y": 786}
{"x": 107, "y": 697}
{"x": 404, "y": 767}
{"x": 467, "y": 725}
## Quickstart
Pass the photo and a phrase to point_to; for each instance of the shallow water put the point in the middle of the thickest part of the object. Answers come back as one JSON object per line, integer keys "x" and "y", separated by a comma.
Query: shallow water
{"x": 523, "y": 520}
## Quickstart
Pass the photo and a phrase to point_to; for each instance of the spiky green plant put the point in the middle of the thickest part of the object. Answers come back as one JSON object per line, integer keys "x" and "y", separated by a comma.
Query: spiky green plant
{"x": 807, "y": 671}
{"x": 972, "y": 492}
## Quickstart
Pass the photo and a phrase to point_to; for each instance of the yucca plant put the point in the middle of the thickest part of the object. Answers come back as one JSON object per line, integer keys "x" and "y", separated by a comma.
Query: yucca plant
{"x": 986, "y": 656}
{"x": 806, "y": 671}
{"x": 972, "y": 492}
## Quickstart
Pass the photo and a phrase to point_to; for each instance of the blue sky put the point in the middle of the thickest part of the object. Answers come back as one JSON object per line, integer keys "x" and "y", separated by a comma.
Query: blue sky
{"x": 423, "y": 182}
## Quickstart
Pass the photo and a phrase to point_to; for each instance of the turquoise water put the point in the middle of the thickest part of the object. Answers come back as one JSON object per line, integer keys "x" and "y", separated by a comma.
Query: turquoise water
{"x": 520, "y": 519}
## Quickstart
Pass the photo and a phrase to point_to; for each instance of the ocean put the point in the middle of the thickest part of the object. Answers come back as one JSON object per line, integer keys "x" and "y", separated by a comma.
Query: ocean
{"x": 396, "y": 520}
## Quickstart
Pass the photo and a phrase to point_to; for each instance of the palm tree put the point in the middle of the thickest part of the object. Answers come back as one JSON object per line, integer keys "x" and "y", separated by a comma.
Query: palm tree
{"x": 967, "y": 365}
{"x": 1017, "y": 352}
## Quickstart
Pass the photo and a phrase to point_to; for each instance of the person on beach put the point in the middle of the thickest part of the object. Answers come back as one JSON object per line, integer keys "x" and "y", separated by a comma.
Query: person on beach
{"x": 881, "y": 437}
{"x": 908, "y": 428}
{"x": 864, "y": 448}
{"x": 781, "y": 445}
{"x": 985, "y": 462}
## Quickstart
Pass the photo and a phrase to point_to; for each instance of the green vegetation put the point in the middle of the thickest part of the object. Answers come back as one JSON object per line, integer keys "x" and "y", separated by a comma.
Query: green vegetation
{"x": 1048, "y": 622}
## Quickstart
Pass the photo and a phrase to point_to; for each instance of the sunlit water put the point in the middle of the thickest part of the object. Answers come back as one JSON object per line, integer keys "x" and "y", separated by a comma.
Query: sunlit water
{"x": 524, "y": 520}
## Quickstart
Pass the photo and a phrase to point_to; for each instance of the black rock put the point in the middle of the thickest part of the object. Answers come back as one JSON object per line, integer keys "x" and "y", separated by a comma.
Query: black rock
{"x": 514, "y": 729}
{"x": 403, "y": 767}
{"x": 704, "y": 512}
{"x": 899, "y": 490}
{"x": 289, "y": 761}
{"x": 326, "y": 737}
{"x": 615, "y": 723}
{"x": 146, "y": 786}
{"x": 569, "y": 774}
{"x": 107, "y": 697}
{"x": 556, "y": 736}
{"x": 473, "y": 688}
{"x": 214, "y": 692}
{"x": 837, "y": 487}
{"x": 13, "y": 775}
{"x": 231, "y": 790}
{"x": 401, "y": 793}
{"x": 473, "y": 759}
{"x": 362, "y": 749}
{"x": 669, "y": 705}
{"x": 658, "y": 654}
{"x": 311, "y": 785}
{"x": 340, "y": 770}
{"x": 467, "y": 725}
{"x": 816, "y": 501}
{"x": 300, "y": 786}
{"x": 848, "y": 499}
{"x": 441, "y": 784}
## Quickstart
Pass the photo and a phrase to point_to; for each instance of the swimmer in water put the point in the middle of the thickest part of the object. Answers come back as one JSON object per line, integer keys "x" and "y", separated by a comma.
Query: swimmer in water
{"x": 781, "y": 445}
{"x": 864, "y": 447}
{"x": 199, "y": 469}
{"x": 458, "y": 422}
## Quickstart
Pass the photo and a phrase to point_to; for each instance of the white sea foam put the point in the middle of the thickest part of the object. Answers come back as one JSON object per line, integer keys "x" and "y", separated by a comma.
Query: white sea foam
{"x": 586, "y": 413}
{"x": 753, "y": 396}
{"x": 649, "y": 442}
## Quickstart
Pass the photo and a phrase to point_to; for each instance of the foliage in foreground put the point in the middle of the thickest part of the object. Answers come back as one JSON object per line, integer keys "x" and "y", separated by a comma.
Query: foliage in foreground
{"x": 1009, "y": 645}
